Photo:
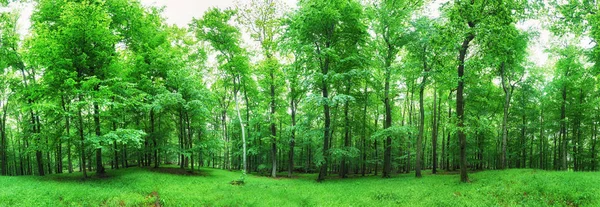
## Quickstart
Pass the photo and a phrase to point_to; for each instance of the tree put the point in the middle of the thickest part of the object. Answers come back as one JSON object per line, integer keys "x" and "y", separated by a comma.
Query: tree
{"x": 325, "y": 28}
{"x": 390, "y": 24}
{"x": 214, "y": 28}
{"x": 263, "y": 20}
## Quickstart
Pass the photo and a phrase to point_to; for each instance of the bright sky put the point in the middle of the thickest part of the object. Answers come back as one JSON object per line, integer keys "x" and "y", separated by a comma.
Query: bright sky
{"x": 181, "y": 12}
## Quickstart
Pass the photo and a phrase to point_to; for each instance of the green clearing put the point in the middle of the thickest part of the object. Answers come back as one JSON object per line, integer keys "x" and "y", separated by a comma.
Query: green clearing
{"x": 143, "y": 187}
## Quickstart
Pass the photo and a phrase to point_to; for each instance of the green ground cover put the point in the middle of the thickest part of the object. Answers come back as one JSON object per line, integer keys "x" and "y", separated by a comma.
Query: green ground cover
{"x": 211, "y": 187}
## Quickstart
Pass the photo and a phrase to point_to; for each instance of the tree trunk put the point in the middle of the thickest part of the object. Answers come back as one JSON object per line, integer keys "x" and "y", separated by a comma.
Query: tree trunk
{"x": 434, "y": 134}
{"x": 387, "y": 154}
{"x": 3, "y": 142}
{"x": 273, "y": 128}
{"x": 460, "y": 110}
{"x": 419, "y": 158}
{"x": 364, "y": 131}
{"x": 563, "y": 130}
{"x": 237, "y": 109}
{"x": 344, "y": 167}
{"x": 293, "y": 135}
{"x": 507, "y": 97}
{"x": 82, "y": 140}
{"x": 327, "y": 124}
{"x": 99, "y": 166}
{"x": 154, "y": 142}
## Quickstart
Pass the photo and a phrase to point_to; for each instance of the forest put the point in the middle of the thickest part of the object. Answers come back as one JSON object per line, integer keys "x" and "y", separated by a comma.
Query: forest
{"x": 332, "y": 88}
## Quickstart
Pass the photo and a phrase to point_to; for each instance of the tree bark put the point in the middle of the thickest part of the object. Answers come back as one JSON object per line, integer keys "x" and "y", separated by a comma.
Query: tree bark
{"x": 237, "y": 109}
{"x": 293, "y": 135}
{"x": 273, "y": 127}
{"x": 563, "y": 130}
{"x": 460, "y": 107}
{"x": 387, "y": 154}
{"x": 99, "y": 165}
{"x": 82, "y": 140}
{"x": 327, "y": 116}
{"x": 344, "y": 167}
{"x": 434, "y": 134}
{"x": 507, "y": 97}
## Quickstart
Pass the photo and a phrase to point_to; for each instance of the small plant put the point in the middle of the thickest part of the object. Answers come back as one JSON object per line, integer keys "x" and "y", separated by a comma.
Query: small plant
{"x": 241, "y": 180}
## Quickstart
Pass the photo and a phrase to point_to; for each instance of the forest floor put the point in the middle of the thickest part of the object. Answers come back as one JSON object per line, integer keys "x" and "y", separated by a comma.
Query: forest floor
{"x": 211, "y": 187}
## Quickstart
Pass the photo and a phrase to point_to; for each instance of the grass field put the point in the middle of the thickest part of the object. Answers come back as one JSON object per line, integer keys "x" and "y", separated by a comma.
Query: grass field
{"x": 144, "y": 187}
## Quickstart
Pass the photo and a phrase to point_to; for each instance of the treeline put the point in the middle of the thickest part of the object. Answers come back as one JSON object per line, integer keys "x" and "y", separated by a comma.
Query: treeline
{"x": 338, "y": 87}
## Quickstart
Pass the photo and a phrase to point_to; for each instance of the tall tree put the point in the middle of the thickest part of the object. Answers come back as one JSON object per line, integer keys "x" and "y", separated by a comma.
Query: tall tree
{"x": 326, "y": 28}
{"x": 390, "y": 24}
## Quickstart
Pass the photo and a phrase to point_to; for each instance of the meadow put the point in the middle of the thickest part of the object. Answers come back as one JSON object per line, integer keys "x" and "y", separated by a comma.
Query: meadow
{"x": 212, "y": 187}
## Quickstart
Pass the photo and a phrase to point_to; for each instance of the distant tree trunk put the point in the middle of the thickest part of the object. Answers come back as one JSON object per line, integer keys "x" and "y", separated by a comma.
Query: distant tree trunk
{"x": 189, "y": 141}
{"x": 82, "y": 140}
{"x": 523, "y": 139}
{"x": 434, "y": 134}
{"x": 99, "y": 165}
{"x": 273, "y": 127}
{"x": 447, "y": 154}
{"x": 344, "y": 167}
{"x": 508, "y": 89}
{"x": 410, "y": 123}
{"x": 38, "y": 153}
{"x": 124, "y": 154}
{"x": 364, "y": 132}
{"x": 115, "y": 147}
{"x": 293, "y": 135}
{"x": 375, "y": 141}
{"x": 594, "y": 143}
{"x": 542, "y": 139}
{"x": 59, "y": 155}
{"x": 153, "y": 135}
{"x": 3, "y": 142}
{"x": 563, "y": 130}
{"x": 419, "y": 156}
{"x": 181, "y": 137}
{"x": 387, "y": 154}
{"x": 68, "y": 131}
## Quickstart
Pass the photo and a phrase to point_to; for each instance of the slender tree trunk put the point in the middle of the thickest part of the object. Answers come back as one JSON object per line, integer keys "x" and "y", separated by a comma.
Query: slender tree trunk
{"x": 82, "y": 140}
{"x": 154, "y": 141}
{"x": 563, "y": 130}
{"x": 364, "y": 131}
{"x": 542, "y": 139}
{"x": 293, "y": 135}
{"x": 507, "y": 96}
{"x": 344, "y": 167}
{"x": 447, "y": 155}
{"x": 327, "y": 124}
{"x": 460, "y": 108}
{"x": 273, "y": 127}
{"x": 387, "y": 154}
{"x": 99, "y": 165}
{"x": 434, "y": 133}
{"x": 3, "y": 142}
{"x": 594, "y": 143}
{"x": 419, "y": 158}
{"x": 237, "y": 109}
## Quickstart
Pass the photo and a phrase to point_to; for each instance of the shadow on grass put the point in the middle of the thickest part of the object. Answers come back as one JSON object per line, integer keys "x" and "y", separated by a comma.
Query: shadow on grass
{"x": 78, "y": 176}
{"x": 180, "y": 171}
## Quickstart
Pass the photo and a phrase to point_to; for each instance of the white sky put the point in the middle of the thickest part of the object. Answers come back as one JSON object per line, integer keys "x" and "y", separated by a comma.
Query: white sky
{"x": 181, "y": 12}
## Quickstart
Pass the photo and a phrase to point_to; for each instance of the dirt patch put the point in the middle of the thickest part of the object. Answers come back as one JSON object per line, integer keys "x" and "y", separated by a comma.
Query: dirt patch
{"x": 154, "y": 195}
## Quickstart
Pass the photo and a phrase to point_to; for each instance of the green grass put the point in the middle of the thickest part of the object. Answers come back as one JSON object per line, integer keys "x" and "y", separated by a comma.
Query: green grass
{"x": 142, "y": 187}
